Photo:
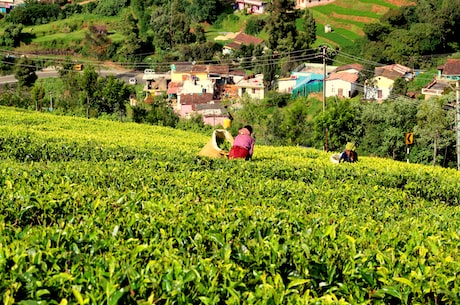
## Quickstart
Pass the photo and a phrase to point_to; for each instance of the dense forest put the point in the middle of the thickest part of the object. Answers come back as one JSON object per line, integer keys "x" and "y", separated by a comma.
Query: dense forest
{"x": 420, "y": 36}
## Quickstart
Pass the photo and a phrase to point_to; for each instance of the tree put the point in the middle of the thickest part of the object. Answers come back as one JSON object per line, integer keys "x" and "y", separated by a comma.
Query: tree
{"x": 199, "y": 32}
{"x": 296, "y": 126}
{"x": 376, "y": 31}
{"x": 88, "y": 83}
{"x": 433, "y": 126}
{"x": 281, "y": 26}
{"x": 128, "y": 27}
{"x": 340, "y": 120}
{"x": 204, "y": 10}
{"x": 269, "y": 71}
{"x": 160, "y": 23}
{"x": 384, "y": 125}
{"x": 113, "y": 96}
{"x": 25, "y": 72}
{"x": 162, "y": 114}
{"x": 11, "y": 36}
{"x": 308, "y": 34}
{"x": 110, "y": 7}
{"x": 399, "y": 87}
{"x": 34, "y": 12}
{"x": 254, "y": 25}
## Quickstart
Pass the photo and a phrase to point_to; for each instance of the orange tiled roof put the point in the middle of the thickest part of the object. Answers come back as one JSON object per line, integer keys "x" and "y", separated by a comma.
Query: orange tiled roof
{"x": 452, "y": 67}
{"x": 345, "y": 76}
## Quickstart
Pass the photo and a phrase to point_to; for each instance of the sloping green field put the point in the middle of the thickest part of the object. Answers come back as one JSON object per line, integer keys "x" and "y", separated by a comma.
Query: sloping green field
{"x": 347, "y": 19}
{"x": 100, "y": 212}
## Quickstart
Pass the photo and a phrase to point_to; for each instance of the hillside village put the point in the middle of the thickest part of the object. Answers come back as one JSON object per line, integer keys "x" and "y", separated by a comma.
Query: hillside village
{"x": 207, "y": 89}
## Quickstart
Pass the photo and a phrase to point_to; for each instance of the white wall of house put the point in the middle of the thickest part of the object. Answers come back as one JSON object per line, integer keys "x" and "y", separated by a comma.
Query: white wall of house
{"x": 285, "y": 85}
{"x": 252, "y": 87}
{"x": 200, "y": 86}
{"x": 340, "y": 88}
{"x": 252, "y": 92}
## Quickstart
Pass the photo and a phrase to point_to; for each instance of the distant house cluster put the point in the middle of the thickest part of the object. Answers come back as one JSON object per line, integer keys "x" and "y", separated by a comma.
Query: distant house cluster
{"x": 201, "y": 89}
{"x": 251, "y": 6}
{"x": 7, "y": 5}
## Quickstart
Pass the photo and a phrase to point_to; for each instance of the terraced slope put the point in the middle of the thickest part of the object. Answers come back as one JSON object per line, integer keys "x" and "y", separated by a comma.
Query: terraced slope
{"x": 347, "y": 18}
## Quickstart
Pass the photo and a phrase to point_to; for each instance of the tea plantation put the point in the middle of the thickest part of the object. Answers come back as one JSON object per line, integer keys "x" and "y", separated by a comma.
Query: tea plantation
{"x": 101, "y": 212}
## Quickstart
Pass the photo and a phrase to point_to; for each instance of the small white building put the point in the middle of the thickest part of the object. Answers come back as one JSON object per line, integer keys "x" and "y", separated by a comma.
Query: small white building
{"x": 252, "y": 86}
{"x": 343, "y": 85}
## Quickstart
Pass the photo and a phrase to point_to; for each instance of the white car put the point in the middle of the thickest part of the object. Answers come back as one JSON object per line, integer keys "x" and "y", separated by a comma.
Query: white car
{"x": 132, "y": 81}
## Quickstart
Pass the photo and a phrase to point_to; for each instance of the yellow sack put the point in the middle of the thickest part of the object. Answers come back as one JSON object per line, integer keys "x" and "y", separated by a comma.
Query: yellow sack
{"x": 219, "y": 145}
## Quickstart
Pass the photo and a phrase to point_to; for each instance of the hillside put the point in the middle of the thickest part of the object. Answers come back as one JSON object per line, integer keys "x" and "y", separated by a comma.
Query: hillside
{"x": 347, "y": 18}
{"x": 95, "y": 211}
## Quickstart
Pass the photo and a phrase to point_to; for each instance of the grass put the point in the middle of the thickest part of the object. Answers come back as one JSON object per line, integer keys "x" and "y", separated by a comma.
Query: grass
{"x": 347, "y": 19}
{"x": 332, "y": 9}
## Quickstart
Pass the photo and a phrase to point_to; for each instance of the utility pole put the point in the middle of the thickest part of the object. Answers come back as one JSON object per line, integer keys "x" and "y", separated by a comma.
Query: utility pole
{"x": 326, "y": 147}
{"x": 457, "y": 122}
{"x": 324, "y": 77}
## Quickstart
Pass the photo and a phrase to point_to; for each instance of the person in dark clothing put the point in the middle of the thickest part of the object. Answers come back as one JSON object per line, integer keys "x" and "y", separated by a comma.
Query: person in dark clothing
{"x": 349, "y": 154}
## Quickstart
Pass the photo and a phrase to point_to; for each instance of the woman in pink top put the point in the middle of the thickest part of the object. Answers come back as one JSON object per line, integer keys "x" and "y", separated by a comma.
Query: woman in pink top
{"x": 243, "y": 146}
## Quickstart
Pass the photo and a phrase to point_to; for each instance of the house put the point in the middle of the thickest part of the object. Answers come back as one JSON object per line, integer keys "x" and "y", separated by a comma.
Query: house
{"x": 286, "y": 84}
{"x": 252, "y": 86}
{"x": 155, "y": 83}
{"x": 447, "y": 73}
{"x": 379, "y": 87}
{"x": 302, "y": 4}
{"x": 435, "y": 88}
{"x": 343, "y": 81}
{"x": 251, "y": 6}
{"x": 239, "y": 40}
{"x": 450, "y": 70}
{"x": 342, "y": 85}
{"x": 309, "y": 78}
{"x": 7, "y": 5}
{"x": 212, "y": 113}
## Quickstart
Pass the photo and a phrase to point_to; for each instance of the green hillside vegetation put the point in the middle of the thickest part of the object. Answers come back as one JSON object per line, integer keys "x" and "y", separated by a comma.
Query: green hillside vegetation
{"x": 95, "y": 212}
{"x": 347, "y": 19}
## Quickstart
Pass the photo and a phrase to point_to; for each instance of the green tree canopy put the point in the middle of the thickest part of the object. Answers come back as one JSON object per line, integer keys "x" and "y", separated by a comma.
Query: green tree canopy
{"x": 25, "y": 72}
{"x": 11, "y": 35}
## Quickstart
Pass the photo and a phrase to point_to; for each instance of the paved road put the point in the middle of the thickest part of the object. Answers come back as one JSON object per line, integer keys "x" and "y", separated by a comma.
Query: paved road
{"x": 10, "y": 79}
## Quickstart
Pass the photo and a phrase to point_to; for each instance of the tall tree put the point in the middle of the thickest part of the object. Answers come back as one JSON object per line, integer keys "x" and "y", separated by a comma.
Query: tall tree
{"x": 384, "y": 125}
{"x": 88, "y": 83}
{"x": 132, "y": 44}
{"x": 114, "y": 96}
{"x": 308, "y": 34}
{"x": 11, "y": 35}
{"x": 160, "y": 23}
{"x": 434, "y": 126}
{"x": 281, "y": 26}
{"x": 340, "y": 120}
{"x": 25, "y": 72}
